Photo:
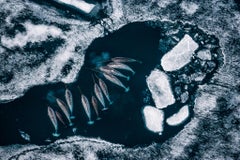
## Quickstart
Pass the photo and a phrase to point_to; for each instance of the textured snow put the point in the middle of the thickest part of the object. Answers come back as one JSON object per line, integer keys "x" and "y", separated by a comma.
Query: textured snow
{"x": 178, "y": 117}
{"x": 34, "y": 33}
{"x": 189, "y": 7}
{"x": 153, "y": 118}
{"x": 180, "y": 55}
{"x": 158, "y": 84}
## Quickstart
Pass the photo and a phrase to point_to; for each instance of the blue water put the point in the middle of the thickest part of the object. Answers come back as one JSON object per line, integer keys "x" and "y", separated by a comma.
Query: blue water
{"x": 122, "y": 122}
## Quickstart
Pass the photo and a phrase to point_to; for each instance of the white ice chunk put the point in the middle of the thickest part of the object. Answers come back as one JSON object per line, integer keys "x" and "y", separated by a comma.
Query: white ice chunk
{"x": 178, "y": 117}
{"x": 82, "y": 5}
{"x": 180, "y": 55}
{"x": 34, "y": 33}
{"x": 153, "y": 119}
{"x": 160, "y": 89}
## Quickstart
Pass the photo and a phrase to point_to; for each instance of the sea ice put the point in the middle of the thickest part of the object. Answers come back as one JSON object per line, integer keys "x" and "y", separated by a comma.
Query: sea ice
{"x": 160, "y": 89}
{"x": 180, "y": 55}
{"x": 82, "y": 5}
{"x": 178, "y": 117}
{"x": 153, "y": 119}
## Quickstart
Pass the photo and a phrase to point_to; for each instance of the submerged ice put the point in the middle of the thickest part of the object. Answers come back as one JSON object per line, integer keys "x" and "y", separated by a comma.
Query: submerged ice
{"x": 158, "y": 84}
{"x": 180, "y": 55}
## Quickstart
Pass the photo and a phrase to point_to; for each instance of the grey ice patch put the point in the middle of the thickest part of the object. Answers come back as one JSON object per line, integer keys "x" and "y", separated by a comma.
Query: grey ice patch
{"x": 179, "y": 117}
{"x": 160, "y": 89}
{"x": 198, "y": 77}
{"x": 204, "y": 54}
{"x": 180, "y": 55}
{"x": 184, "y": 97}
{"x": 189, "y": 7}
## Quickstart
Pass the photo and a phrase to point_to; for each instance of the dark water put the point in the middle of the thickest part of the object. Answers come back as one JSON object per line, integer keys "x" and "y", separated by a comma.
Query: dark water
{"x": 122, "y": 122}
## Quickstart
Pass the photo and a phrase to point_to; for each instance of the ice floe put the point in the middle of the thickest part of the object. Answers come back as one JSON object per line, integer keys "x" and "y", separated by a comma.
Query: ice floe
{"x": 180, "y": 55}
{"x": 82, "y": 5}
{"x": 153, "y": 118}
{"x": 178, "y": 117}
{"x": 160, "y": 89}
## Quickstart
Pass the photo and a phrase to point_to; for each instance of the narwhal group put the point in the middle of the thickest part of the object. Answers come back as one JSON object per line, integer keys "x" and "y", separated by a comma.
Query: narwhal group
{"x": 100, "y": 98}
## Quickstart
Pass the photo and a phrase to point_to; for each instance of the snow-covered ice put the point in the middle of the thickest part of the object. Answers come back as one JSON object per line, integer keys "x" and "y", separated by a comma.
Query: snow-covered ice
{"x": 178, "y": 117}
{"x": 153, "y": 118}
{"x": 82, "y": 5}
{"x": 34, "y": 33}
{"x": 189, "y": 7}
{"x": 160, "y": 89}
{"x": 180, "y": 55}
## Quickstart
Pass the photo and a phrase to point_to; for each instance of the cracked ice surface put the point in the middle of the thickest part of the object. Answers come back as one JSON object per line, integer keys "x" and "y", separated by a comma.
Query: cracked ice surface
{"x": 160, "y": 89}
{"x": 153, "y": 119}
{"x": 180, "y": 55}
{"x": 178, "y": 117}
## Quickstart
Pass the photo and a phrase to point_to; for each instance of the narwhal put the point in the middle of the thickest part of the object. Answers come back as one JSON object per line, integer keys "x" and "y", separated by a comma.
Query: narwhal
{"x": 65, "y": 110}
{"x": 109, "y": 70}
{"x": 122, "y": 66}
{"x": 116, "y": 81}
{"x": 99, "y": 94}
{"x": 104, "y": 89}
{"x": 124, "y": 59}
{"x": 52, "y": 116}
{"x": 95, "y": 106}
{"x": 69, "y": 100}
{"x": 86, "y": 107}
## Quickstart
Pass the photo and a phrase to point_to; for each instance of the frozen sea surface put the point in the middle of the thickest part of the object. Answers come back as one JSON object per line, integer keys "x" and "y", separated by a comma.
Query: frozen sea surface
{"x": 217, "y": 120}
